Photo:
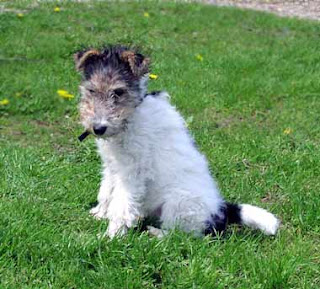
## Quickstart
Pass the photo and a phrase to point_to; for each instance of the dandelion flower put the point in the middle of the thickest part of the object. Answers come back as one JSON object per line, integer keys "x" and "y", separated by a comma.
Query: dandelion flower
{"x": 19, "y": 94}
{"x": 153, "y": 76}
{"x": 4, "y": 101}
{"x": 146, "y": 14}
{"x": 199, "y": 57}
{"x": 20, "y": 15}
{"x": 57, "y": 9}
{"x": 65, "y": 94}
{"x": 287, "y": 131}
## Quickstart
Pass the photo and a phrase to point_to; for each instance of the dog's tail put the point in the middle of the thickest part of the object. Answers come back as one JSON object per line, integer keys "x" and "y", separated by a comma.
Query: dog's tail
{"x": 253, "y": 217}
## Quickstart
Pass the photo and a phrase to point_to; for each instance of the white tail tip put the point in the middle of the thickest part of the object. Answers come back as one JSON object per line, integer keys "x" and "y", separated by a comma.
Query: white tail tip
{"x": 258, "y": 218}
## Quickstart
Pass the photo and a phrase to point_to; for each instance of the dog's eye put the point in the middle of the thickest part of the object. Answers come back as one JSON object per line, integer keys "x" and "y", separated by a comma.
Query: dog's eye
{"x": 118, "y": 91}
{"x": 91, "y": 90}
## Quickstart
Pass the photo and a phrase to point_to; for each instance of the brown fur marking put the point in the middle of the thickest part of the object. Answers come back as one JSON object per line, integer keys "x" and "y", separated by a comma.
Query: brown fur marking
{"x": 137, "y": 70}
{"x": 81, "y": 60}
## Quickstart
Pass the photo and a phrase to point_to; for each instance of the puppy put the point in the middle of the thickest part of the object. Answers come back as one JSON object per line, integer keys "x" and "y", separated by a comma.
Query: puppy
{"x": 151, "y": 166}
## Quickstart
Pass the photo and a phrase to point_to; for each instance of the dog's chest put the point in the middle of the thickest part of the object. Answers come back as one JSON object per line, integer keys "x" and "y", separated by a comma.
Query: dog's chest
{"x": 125, "y": 152}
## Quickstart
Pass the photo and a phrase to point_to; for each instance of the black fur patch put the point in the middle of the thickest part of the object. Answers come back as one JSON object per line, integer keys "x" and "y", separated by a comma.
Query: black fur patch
{"x": 217, "y": 223}
{"x": 153, "y": 93}
{"x": 233, "y": 213}
{"x": 229, "y": 214}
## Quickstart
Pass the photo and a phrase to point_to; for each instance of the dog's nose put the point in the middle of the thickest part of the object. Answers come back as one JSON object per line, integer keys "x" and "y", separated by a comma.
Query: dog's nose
{"x": 99, "y": 130}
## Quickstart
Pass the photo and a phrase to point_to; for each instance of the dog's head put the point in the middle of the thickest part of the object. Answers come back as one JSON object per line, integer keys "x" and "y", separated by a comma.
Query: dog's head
{"x": 113, "y": 84}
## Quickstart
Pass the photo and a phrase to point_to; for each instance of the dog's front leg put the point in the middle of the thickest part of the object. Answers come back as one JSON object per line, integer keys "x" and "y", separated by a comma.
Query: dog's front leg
{"x": 104, "y": 195}
{"x": 125, "y": 207}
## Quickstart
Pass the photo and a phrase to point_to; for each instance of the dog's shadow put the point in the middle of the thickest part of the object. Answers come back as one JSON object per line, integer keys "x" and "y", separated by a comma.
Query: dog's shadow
{"x": 143, "y": 224}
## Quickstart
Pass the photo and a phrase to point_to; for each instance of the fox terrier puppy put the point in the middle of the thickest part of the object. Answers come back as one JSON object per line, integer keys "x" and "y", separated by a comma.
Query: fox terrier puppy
{"x": 151, "y": 166}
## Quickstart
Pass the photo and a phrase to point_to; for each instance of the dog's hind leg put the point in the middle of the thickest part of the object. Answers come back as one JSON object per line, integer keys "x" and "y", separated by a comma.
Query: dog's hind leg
{"x": 186, "y": 213}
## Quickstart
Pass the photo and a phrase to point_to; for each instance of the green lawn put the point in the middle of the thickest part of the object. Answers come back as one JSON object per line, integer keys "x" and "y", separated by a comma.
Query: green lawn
{"x": 252, "y": 104}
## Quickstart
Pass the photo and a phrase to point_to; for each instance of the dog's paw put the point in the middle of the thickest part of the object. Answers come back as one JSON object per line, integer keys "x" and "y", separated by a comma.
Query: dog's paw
{"x": 159, "y": 233}
{"x": 99, "y": 212}
{"x": 116, "y": 229}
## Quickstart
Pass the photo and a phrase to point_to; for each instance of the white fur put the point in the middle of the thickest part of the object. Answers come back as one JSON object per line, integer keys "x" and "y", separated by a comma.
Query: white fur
{"x": 154, "y": 164}
{"x": 258, "y": 218}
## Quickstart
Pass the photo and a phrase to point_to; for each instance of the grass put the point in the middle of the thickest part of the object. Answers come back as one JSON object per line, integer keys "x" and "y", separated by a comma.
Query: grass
{"x": 259, "y": 76}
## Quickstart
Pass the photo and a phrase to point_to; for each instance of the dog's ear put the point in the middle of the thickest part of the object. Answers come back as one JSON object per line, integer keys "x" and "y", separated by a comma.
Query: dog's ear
{"x": 84, "y": 57}
{"x": 139, "y": 64}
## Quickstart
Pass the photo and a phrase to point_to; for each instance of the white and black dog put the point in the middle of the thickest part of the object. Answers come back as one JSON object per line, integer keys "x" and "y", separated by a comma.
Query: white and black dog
{"x": 150, "y": 163}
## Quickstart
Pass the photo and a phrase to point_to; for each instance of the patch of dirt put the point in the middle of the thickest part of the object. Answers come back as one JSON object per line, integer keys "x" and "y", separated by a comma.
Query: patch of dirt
{"x": 7, "y": 7}
{"x": 11, "y": 10}
{"x": 307, "y": 9}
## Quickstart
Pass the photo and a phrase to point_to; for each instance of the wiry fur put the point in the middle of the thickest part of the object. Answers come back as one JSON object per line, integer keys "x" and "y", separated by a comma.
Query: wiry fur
{"x": 150, "y": 164}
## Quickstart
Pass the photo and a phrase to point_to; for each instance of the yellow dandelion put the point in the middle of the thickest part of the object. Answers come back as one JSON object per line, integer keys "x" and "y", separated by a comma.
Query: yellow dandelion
{"x": 18, "y": 94}
{"x": 4, "y": 101}
{"x": 153, "y": 76}
{"x": 20, "y": 15}
{"x": 65, "y": 94}
{"x": 146, "y": 14}
{"x": 199, "y": 57}
{"x": 57, "y": 9}
{"x": 287, "y": 131}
